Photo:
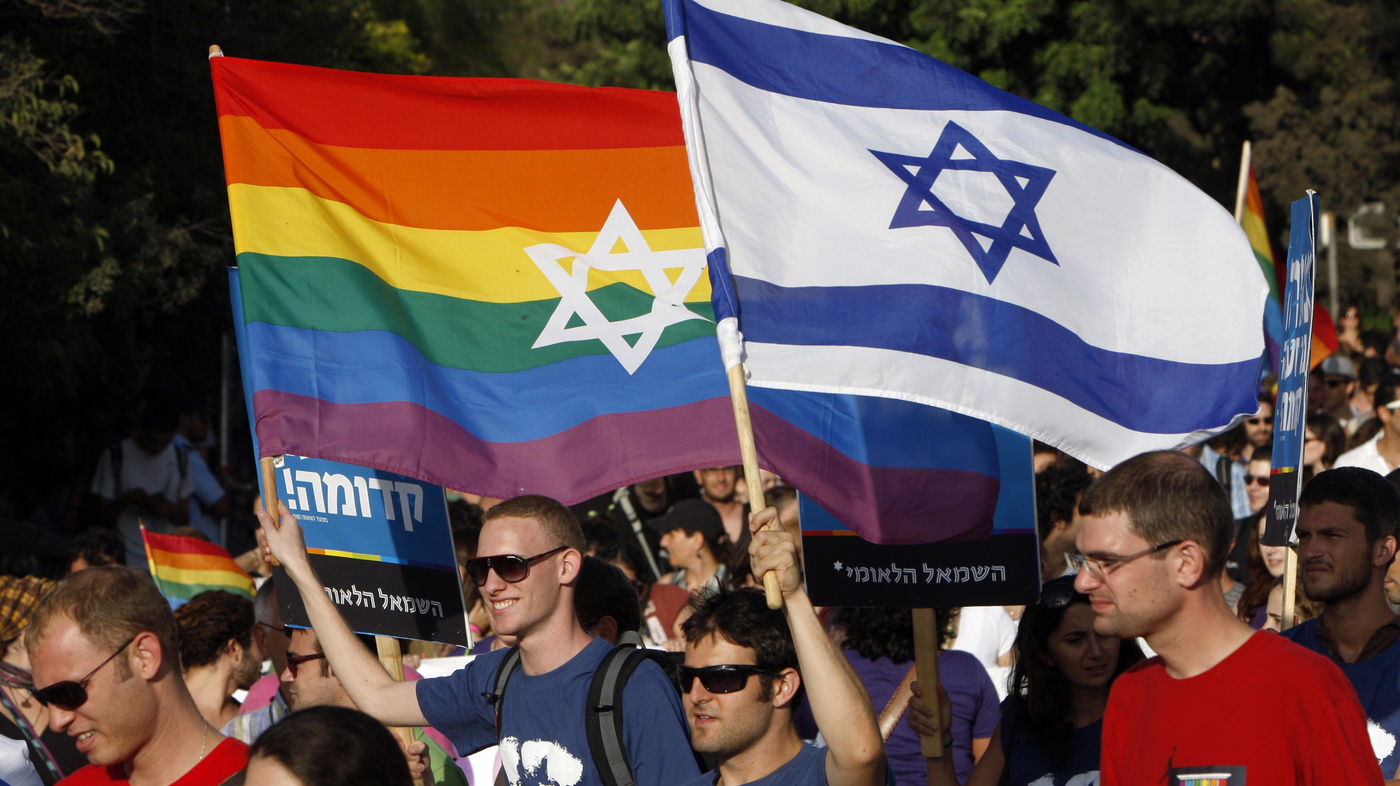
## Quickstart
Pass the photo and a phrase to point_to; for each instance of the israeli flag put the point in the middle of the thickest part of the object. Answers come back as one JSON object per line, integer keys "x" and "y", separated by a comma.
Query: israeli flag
{"x": 896, "y": 227}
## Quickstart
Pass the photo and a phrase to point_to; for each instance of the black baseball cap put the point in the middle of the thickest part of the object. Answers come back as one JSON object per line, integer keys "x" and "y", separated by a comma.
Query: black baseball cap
{"x": 691, "y": 515}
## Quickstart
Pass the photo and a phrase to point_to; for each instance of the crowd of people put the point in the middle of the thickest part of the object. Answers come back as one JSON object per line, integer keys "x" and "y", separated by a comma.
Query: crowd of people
{"x": 628, "y": 640}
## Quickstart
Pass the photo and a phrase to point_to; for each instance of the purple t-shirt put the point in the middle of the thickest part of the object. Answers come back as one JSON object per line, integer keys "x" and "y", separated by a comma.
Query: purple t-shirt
{"x": 976, "y": 711}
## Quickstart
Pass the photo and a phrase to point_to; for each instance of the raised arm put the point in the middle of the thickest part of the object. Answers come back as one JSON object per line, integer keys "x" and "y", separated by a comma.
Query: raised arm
{"x": 840, "y": 705}
{"x": 389, "y": 701}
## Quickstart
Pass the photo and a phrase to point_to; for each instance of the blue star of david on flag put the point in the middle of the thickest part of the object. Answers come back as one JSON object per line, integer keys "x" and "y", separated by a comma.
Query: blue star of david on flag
{"x": 1025, "y": 183}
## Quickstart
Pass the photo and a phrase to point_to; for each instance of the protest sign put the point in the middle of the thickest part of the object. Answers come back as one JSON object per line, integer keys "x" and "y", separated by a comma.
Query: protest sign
{"x": 1290, "y": 411}
{"x": 842, "y": 569}
{"x": 381, "y": 544}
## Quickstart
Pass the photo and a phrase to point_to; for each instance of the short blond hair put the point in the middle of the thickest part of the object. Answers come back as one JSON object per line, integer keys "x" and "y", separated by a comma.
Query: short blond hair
{"x": 559, "y": 523}
{"x": 110, "y": 604}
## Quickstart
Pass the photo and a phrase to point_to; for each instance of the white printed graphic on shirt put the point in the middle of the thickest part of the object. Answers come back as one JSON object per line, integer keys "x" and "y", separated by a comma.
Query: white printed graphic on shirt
{"x": 544, "y": 761}
{"x": 1382, "y": 741}
{"x": 1090, "y": 778}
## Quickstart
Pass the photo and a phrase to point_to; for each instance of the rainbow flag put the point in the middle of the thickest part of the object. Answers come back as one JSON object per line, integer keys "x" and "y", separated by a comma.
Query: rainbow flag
{"x": 184, "y": 567}
{"x": 1251, "y": 217}
{"x": 493, "y": 285}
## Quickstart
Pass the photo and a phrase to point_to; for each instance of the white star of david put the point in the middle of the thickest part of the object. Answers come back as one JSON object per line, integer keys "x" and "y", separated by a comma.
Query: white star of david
{"x": 668, "y": 303}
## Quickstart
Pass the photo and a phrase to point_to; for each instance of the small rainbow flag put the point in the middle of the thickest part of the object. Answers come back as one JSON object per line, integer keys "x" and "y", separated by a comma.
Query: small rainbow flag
{"x": 184, "y": 567}
{"x": 1250, "y": 212}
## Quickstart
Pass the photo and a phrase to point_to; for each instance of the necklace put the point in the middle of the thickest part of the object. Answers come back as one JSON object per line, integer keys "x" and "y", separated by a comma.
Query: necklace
{"x": 204, "y": 741}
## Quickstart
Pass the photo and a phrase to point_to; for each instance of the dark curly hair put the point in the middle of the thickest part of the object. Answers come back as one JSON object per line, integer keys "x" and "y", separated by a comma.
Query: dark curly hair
{"x": 888, "y": 633}
{"x": 1039, "y": 698}
{"x": 209, "y": 622}
{"x": 1057, "y": 490}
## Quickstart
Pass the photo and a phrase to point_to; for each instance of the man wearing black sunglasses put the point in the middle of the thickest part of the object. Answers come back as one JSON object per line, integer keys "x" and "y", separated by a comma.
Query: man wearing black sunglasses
{"x": 1151, "y": 550}
{"x": 746, "y": 670}
{"x": 530, "y": 555}
{"x": 102, "y": 642}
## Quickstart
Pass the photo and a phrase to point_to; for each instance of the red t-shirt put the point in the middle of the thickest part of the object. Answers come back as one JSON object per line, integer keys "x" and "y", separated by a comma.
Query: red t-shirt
{"x": 227, "y": 758}
{"x": 1271, "y": 713}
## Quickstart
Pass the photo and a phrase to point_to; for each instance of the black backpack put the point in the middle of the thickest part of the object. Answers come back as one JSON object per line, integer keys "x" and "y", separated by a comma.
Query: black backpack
{"x": 604, "y": 716}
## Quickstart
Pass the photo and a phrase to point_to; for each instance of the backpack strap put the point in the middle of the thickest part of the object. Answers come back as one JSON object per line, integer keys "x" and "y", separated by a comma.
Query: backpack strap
{"x": 497, "y": 695}
{"x": 604, "y": 718}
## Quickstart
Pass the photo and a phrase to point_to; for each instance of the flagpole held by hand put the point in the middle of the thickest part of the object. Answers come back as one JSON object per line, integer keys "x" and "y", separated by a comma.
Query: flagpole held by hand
{"x": 269, "y": 493}
{"x": 731, "y": 344}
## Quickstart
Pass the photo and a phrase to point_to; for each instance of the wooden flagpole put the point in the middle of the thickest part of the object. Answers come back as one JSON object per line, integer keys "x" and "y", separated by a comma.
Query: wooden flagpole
{"x": 748, "y": 452}
{"x": 1240, "y": 193}
{"x": 926, "y": 663}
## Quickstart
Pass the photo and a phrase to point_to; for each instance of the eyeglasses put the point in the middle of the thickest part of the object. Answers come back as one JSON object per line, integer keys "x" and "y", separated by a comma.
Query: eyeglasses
{"x": 1100, "y": 568}
{"x": 1268, "y": 421}
{"x": 509, "y": 567}
{"x": 293, "y": 661}
{"x": 726, "y": 678}
{"x": 1256, "y": 479}
{"x": 69, "y": 695}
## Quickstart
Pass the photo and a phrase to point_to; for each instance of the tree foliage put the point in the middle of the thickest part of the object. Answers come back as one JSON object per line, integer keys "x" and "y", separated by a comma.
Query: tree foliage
{"x": 114, "y": 224}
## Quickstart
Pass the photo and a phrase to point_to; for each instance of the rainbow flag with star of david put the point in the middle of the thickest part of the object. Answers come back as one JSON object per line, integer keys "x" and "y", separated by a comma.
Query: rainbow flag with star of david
{"x": 492, "y": 285}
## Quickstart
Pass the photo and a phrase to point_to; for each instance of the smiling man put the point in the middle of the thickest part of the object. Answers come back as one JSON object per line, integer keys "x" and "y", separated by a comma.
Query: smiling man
{"x": 1348, "y": 520}
{"x": 529, "y": 556}
{"x": 746, "y": 670}
{"x": 102, "y": 643}
{"x": 1152, "y": 545}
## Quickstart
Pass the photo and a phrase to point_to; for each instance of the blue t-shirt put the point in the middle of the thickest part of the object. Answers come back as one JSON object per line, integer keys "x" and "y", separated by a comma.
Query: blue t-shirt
{"x": 1377, "y": 683}
{"x": 807, "y": 768}
{"x": 543, "y": 736}
{"x": 1027, "y": 765}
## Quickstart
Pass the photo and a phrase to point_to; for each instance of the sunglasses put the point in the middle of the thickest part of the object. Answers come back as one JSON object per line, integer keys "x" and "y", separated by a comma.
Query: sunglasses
{"x": 284, "y": 630}
{"x": 1260, "y": 480}
{"x": 726, "y": 678}
{"x": 509, "y": 567}
{"x": 1269, "y": 421}
{"x": 1336, "y": 382}
{"x": 293, "y": 661}
{"x": 1057, "y": 594}
{"x": 69, "y": 695}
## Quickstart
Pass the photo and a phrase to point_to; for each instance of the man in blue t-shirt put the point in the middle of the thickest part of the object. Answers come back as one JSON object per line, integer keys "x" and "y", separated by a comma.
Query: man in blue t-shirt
{"x": 1348, "y": 520}
{"x": 531, "y": 553}
{"x": 743, "y": 686}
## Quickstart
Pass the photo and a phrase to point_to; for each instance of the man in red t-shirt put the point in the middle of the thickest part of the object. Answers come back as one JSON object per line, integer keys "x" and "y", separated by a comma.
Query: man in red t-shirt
{"x": 102, "y": 643}
{"x": 1221, "y": 703}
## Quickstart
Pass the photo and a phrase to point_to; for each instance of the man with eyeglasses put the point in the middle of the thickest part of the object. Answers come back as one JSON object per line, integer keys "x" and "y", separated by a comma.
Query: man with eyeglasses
{"x": 746, "y": 670}
{"x": 103, "y": 646}
{"x": 1151, "y": 549}
{"x": 529, "y": 557}
{"x": 1382, "y": 453}
{"x": 311, "y": 682}
{"x": 1348, "y": 522}
{"x": 266, "y": 701}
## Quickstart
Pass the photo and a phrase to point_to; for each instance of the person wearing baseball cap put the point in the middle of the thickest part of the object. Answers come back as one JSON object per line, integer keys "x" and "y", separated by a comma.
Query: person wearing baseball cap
{"x": 692, "y": 533}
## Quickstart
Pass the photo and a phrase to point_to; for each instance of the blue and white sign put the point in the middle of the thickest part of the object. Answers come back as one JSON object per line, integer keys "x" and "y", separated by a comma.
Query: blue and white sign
{"x": 1290, "y": 412}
